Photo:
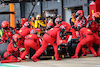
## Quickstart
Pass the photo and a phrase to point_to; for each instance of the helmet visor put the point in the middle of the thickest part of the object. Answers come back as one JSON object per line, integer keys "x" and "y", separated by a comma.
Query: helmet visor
{"x": 59, "y": 22}
{"x": 76, "y": 15}
{"x": 97, "y": 20}
{"x": 6, "y": 28}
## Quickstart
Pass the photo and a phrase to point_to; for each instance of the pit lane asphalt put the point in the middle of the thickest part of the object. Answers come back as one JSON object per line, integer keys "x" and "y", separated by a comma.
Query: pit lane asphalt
{"x": 66, "y": 62}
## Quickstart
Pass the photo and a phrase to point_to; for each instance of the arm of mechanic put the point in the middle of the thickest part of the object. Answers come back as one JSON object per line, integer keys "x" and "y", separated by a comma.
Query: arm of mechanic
{"x": 59, "y": 41}
{"x": 41, "y": 23}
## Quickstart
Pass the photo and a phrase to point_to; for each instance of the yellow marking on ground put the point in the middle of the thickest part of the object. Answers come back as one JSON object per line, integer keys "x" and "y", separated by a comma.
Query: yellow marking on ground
{"x": 85, "y": 56}
{"x": 23, "y": 61}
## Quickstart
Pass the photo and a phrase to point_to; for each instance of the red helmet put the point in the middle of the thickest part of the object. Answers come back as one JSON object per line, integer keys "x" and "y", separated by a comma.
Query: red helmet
{"x": 79, "y": 13}
{"x": 98, "y": 13}
{"x": 58, "y": 20}
{"x": 16, "y": 37}
{"x": 98, "y": 30}
{"x": 5, "y": 24}
{"x": 27, "y": 24}
{"x": 49, "y": 25}
{"x": 96, "y": 17}
{"x": 33, "y": 31}
{"x": 63, "y": 28}
{"x": 23, "y": 20}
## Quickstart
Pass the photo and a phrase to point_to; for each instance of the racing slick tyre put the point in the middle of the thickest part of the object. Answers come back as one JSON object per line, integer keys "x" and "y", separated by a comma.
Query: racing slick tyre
{"x": 3, "y": 48}
{"x": 72, "y": 47}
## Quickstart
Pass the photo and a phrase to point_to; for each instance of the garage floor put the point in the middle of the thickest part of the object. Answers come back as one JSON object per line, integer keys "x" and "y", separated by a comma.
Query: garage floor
{"x": 67, "y": 62}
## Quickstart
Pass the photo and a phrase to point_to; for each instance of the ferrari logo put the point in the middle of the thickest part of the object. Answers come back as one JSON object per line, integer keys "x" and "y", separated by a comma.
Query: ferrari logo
{"x": 6, "y": 33}
{"x": 30, "y": 35}
{"x": 92, "y": 11}
{"x": 15, "y": 36}
{"x": 3, "y": 24}
{"x": 20, "y": 31}
{"x": 88, "y": 30}
{"x": 76, "y": 32}
{"x": 51, "y": 29}
{"x": 96, "y": 23}
{"x": 92, "y": 26}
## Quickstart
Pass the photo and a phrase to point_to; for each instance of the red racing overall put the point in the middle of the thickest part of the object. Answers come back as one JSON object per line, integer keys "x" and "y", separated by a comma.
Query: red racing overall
{"x": 10, "y": 50}
{"x": 86, "y": 37}
{"x": 7, "y": 34}
{"x": 97, "y": 42}
{"x": 31, "y": 41}
{"x": 53, "y": 37}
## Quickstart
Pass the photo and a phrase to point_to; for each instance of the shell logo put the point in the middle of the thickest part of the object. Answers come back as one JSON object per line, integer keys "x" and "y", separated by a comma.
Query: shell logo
{"x": 88, "y": 30}
{"x": 6, "y": 33}
{"x": 20, "y": 31}
{"x": 30, "y": 35}
{"x": 76, "y": 32}
{"x": 51, "y": 29}
{"x": 23, "y": 18}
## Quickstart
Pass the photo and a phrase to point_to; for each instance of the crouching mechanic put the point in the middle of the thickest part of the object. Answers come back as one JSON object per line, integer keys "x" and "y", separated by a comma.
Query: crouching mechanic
{"x": 53, "y": 37}
{"x": 86, "y": 37}
{"x": 31, "y": 41}
{"x": 12, "y": 50}
{"x": 25, "y": 30}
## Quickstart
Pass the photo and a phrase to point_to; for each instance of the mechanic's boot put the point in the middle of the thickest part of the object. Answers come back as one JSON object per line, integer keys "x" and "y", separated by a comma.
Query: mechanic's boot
{"x": 8, "y": 61}
{"x": 84, "y": 54}
{"x": 95, "y": 54}
{"x": 88, "y": 51}
{"x": 98, "y": 52}
{"x": 19, "y": 60}
{"x": 0, "y": 58}
{"x": 75, "y": 56}
{"x": 35, "y": 59}
{"x": 57, "y": 58}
